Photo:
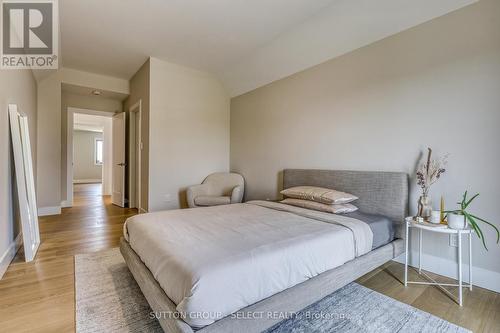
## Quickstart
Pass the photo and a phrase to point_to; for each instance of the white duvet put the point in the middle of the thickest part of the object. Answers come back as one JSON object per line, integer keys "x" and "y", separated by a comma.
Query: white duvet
{"x": 214, "y": 261}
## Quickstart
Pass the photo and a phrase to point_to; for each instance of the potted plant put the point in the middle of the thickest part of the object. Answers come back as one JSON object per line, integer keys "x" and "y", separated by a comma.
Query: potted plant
{"x": 459, "y": 218}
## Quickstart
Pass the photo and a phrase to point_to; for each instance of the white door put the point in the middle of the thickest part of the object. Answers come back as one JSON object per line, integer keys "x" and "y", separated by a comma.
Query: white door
{"x": 118, "y": 195}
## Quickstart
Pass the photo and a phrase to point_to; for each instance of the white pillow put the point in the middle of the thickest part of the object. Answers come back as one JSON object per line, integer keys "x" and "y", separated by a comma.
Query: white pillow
{"x": 335, "y": 209}
{"x": 319, "y": 194}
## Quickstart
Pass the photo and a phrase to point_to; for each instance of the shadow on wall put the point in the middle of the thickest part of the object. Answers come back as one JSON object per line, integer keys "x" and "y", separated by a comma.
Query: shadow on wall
{"x": 413, "y": 175}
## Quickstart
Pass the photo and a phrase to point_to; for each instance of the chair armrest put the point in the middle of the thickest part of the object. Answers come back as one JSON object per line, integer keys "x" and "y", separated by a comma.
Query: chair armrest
{"x": 237, "y": 194}
{"x": 196, "y": 190}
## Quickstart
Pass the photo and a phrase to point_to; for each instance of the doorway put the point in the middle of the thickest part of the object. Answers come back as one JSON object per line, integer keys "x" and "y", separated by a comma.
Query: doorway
{"x": 88, "y": 149}
{"x": 89, "y": 153}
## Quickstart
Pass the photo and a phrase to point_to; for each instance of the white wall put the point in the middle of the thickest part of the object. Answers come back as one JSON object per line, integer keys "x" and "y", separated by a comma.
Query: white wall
{"x": 188, "y": 131}
{"x": 49, "y": 128}
{"x": 17, "y": 87}
{"x": 84, "y": 167}
{"x": 379, "y": 107}
{"x": 49, "y": 143}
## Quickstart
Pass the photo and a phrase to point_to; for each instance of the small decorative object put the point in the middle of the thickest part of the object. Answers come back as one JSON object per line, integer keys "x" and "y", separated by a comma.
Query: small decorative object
{"x": 424, "y": 206}
{"x": 427, "y": 174}
{"x": 459, "y": 218}
{"x": 441, "y": 209}
{"x": 436, "y": 217}
{"x": 420, "y": 219}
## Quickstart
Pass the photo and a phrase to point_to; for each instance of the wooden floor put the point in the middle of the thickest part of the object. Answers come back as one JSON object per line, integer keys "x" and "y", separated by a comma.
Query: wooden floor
{"x": 480, "y": 311}
{"x": 40, "y": 296}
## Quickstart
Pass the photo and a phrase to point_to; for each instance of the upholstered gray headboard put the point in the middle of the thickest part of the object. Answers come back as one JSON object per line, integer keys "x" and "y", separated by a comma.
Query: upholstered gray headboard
{"x": 384, "y": 193}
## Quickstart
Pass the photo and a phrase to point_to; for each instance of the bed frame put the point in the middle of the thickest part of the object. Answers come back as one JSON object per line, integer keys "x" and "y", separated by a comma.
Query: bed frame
{"x": 384, "y": 193}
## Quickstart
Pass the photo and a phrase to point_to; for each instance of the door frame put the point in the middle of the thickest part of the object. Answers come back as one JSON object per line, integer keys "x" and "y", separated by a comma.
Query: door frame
{"x": 69, "y": 148}
{"x": 135, "y": 178}
{"x": 122, "y": 200}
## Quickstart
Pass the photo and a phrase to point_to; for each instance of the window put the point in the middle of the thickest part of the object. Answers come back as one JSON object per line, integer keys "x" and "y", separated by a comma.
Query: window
{"x": 98, "y": 151}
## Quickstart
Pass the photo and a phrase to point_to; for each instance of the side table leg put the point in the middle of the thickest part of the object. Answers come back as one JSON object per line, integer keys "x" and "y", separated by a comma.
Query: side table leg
{"x": 459, "y": 234}
{"x": 406, "y": 253}
{"x": 419, "y": 251}
{"x": 470, "y": 261}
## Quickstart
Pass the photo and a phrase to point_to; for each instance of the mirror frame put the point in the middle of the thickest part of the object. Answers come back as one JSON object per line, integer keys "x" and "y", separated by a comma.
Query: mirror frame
{"x": 25, "y": 182}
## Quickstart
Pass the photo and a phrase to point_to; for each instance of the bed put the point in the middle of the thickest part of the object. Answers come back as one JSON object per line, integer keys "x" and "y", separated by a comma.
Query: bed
{"x": 246, "y": 266}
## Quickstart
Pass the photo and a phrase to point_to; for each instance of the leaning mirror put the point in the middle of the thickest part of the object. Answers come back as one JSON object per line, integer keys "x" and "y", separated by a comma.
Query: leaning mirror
{"x": 24, "y": 181}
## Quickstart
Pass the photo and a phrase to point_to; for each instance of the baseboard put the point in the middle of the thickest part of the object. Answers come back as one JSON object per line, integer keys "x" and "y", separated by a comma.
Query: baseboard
{"x": 66, "y": 204}
{"x": 87, "y": 181}
{"x": 45, "y": 211}
{"x": 480, "y": 277}
{"x": 9, "y": 254}
{"x": 142, "y": 211}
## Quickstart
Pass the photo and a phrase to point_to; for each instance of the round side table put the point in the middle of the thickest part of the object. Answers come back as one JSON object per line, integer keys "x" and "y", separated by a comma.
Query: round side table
{"x": 421, "y": 227}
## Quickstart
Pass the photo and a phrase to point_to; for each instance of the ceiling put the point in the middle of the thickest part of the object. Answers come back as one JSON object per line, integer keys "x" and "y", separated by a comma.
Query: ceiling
{"x": 87, "y": 122}
{"x": 246, "y": 44}
{"x": 87, "y": 91}
{"x": 116, "y": 36}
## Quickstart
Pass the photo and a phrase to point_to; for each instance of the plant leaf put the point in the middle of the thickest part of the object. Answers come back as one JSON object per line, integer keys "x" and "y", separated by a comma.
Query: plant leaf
{"x": 476, "y": 226}
{"x": 470, "y": 200}
{"x": 478, "y": 232}
{"x": 462, "y": 204}
{"x": 493, "y": 226}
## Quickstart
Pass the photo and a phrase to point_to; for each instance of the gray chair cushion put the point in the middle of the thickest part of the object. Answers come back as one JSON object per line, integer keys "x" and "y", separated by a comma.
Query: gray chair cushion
{"x": 223, "y": 183}
{"x": 219, "y": 184}
{"x": 211, "y": 200}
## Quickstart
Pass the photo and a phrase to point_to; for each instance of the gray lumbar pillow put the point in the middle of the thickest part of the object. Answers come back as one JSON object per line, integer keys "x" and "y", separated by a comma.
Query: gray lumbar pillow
{"x": 335, "y": 208}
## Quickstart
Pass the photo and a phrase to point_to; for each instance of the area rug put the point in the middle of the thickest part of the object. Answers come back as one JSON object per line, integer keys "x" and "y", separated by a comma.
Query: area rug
{"x": 107, "y": 297}
{"x": 355, "y": 308}
{"x": 109, "y": 300}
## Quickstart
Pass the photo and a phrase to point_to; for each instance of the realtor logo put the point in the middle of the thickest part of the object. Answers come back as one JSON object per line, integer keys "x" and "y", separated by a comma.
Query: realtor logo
{"x": 29, "y": 34}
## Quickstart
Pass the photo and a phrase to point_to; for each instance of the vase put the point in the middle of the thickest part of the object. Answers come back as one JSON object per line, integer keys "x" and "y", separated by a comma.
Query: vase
{"x": 457, "y": 221}
{"x": 424, "y": 206}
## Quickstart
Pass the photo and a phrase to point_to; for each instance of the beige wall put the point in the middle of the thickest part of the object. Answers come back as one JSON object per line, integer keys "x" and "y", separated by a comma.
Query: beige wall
{"x": 16, "y": 87}
{"x": 140, "y": 91}
{"x": 49, "y": 141}
{"x": 49, "y": 127}
{"x": 84, "y": 167}
{"x": 89, "y": 102}
{"x": 379, "y": 107}
{"x": 189, "y": 132}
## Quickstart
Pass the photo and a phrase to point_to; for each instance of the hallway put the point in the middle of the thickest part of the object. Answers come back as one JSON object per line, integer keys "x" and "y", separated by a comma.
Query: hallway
{"x": 39, "y": 296}
{"x": 88, "y": 195}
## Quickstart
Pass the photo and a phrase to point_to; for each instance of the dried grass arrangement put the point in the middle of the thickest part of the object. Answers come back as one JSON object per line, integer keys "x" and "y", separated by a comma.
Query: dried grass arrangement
{"x": 429, "y": 172}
